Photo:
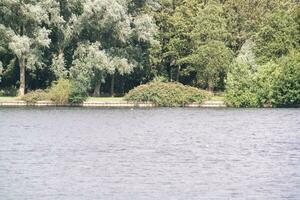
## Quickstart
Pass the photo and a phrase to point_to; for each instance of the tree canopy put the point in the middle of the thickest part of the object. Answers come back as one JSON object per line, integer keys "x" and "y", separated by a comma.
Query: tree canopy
{"x": 111, "y": 46}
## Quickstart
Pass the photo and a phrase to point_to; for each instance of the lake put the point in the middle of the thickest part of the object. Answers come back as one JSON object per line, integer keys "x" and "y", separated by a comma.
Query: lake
{"x": 164, "y": 153}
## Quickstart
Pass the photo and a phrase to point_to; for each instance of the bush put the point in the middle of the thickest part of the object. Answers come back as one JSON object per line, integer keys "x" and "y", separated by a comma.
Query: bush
{"x": 9, "y": 91}
{"x": 274, "y": 83}
{"x": 33, "y": 97}
{"x": 240, "y": 91}
{"x": 286, "y": 84}
{"x": 167, "y": 94}
{"x": 78, "y": 93}
{"x": 60, "y": 91}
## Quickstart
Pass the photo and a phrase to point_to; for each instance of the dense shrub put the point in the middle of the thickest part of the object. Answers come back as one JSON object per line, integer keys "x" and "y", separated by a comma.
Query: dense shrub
{"x": 286, "y": 84}
{"x": 239, "y": 87}
{"x": 167, "y": 94}
{"x": 60, "y": 91}
{"x": 274, "y": 84}
{"x": 34, "y": 96}
{"x": 78, "y": 93}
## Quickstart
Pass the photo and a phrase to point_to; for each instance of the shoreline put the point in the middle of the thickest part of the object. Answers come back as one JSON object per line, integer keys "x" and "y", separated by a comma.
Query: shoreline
{"x": 108, "y": 104}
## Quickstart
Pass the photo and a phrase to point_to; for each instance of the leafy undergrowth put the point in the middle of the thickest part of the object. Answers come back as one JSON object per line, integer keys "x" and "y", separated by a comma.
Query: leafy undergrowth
{"x": 167, "y": 94}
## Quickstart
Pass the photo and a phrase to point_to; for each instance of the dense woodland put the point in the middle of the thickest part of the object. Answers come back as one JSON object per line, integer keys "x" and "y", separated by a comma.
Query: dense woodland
{"x": 248, "y": 48}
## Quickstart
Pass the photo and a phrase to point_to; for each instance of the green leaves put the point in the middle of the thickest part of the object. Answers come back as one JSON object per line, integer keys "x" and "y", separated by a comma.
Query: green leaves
{"x": 274, "y": 83}
{"x": 89, "y": 61}
{"x": 145, "y": 28}
{"x": 210, "y": 24}
{"x": 277, "y": 35}
{"x": 42, "y": 37}
{"x": 20, "y": 45}
{"x": 167, "y": 94}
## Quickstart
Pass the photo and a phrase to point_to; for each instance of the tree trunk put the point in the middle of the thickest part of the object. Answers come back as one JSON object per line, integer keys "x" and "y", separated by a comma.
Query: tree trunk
{"x": 22, "y": 77}
{"x": 112, "y": 86}
{"x": 178, "y": 73}
{"x": 97, "y": 90}
{"x": 123, "y": 86}
{"x": 210, "y": 86}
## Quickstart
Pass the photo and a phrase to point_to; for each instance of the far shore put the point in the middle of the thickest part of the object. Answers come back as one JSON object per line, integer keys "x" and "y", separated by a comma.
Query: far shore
{"x": 105, "y": 102}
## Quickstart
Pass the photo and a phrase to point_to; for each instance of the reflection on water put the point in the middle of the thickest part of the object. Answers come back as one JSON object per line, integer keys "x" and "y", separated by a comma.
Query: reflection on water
{"x": 82, "y": 154}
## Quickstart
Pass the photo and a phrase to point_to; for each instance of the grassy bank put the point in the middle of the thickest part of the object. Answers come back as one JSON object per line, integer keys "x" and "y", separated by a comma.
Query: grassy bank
{"x": 102, "y": 99}
{"x": 105, "y": 99}
{"x": 217, "y": 98}
{"x": 90, "y": 99}
{"x": 8, "y": 98}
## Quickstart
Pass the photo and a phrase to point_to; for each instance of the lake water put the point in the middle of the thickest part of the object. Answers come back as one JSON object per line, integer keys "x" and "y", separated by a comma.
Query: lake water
{"x": 96, "y": 154}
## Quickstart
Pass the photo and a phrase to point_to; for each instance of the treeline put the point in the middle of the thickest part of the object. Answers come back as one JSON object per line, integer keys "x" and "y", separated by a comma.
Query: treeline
{"x": 248, "y": 48}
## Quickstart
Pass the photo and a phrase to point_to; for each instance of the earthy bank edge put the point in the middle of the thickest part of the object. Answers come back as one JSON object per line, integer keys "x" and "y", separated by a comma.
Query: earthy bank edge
{"x": 120, "y": 104}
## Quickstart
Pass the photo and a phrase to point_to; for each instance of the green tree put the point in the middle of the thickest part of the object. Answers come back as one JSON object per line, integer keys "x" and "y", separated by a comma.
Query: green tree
{"x": 286, "y": 86}
{"x": 210, "y": 61}
{"x": 26, "y": 25}
{"x": 278, "y": 34}
{"x": 240, "y": 81}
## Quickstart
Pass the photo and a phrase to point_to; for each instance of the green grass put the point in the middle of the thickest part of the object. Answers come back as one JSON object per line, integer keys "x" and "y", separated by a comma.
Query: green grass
{"x": 97, "y": 99}
{"x": 217, "y": 98}
{"x": 8, "y": 98}
{"x": 105, "y": 99}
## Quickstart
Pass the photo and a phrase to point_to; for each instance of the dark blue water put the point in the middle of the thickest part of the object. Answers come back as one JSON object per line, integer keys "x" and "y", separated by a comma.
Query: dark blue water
{"x": 86, "y": 154}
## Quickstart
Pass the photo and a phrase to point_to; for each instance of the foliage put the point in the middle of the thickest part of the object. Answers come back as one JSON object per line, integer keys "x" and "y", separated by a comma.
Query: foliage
{"x": 160, "y": 79}
{"x": 60, "y": 91}
{"x": 77, "y": 94}
{"x": 278, "y": 34}
{"x": 167, "y": 94}
{"x": 25, "y": 27}
{"x": 273, "y": 84}
{"x": 240, "y": 91}
{"x": 210, "y": 61}
{"x": 9, "y": 91}
{"x": 286, "y": 82}
{"x": 106, "y": 45}
{"x": 88, "y": 59}
{"x": 35, "y": 96}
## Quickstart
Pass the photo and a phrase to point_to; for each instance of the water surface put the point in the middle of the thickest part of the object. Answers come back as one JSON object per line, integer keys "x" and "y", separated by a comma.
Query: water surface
{"x": 93, "y": 154}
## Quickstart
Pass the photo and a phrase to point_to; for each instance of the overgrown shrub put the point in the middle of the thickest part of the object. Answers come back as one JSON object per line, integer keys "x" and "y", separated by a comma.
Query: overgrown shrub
{"x": 286, "y": 86}
{"x": 240, "y": 90}
{"x": 78, "y": 93}
{"x": 34, "y": 96}
{"x": 276, "y": 83}
{"x": 60, "y": 91}
{"x": 167, "y": 94}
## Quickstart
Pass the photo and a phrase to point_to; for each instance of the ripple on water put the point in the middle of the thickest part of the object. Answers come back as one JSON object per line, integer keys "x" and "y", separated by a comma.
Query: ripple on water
{"x": 83, "y": 154}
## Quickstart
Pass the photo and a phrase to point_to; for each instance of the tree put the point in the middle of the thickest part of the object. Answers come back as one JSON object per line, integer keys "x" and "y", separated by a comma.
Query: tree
{"x": 26, "y": 26}
{"x": 120, "y": 35}
{"x": 191, "y": 25}
{"x": 89, "y": 63}
{"x": 210, "y": 61}
{"x": 277, "y": 35}
{"x": 286, "y": 83}
{"x": 240, "y": 89}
